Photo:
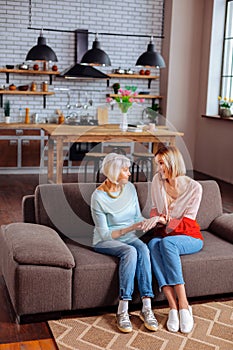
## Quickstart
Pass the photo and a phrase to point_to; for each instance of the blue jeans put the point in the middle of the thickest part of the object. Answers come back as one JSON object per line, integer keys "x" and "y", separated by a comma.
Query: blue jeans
{"x": 165, "y": 257}
{"x": 134, "y": 260}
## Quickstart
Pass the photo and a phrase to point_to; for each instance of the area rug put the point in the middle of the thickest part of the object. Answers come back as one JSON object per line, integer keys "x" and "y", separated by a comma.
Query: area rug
{"x": 213, "y": 330}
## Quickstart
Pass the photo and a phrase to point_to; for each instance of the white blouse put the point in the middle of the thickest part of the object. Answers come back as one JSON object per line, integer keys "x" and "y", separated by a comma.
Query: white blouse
{"x": 185, "y": 205}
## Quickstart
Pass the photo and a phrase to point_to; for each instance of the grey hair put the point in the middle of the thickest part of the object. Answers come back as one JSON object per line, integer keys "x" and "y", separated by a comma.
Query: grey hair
{"x": 112, "y": 165}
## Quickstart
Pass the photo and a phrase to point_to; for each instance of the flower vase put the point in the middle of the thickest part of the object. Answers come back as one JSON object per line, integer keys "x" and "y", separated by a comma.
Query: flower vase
{"x": 124, "y": 121}
{"x": 124, "y": 107}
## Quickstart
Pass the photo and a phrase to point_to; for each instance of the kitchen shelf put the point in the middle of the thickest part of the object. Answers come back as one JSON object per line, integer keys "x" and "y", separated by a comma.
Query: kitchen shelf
{"x": 28, "y": 71}
{"x": 28, "y": 92}
{"x": 139, "y": 96}
{"x": 16, "y": 92}
{"x": 133, "y": 76}
{"x": 152, "y": 97}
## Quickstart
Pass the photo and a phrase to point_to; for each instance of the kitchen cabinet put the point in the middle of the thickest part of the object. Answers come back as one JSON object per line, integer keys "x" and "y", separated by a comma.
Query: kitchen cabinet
{"x": 30, "y": 148}
{"x": 21, "y": 149}
{"x": 9, "y": 148}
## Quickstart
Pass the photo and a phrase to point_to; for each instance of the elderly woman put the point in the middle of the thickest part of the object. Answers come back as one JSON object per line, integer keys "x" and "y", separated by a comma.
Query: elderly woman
{"x": 117, "y": 216}
{"x": 175, "y": 199}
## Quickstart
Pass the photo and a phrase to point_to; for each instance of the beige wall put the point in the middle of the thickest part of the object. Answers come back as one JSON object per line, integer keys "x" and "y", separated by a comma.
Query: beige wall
{"x": 187, "y": 35}
{"x": 214, "y": 138}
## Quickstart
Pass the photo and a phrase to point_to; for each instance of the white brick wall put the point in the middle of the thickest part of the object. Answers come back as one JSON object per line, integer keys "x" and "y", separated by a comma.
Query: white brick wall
{"x": 141, "y": 17}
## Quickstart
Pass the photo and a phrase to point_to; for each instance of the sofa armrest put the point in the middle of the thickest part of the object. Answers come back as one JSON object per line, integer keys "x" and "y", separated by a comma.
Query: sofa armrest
{"x": 222, "y": 227}
{"x": 34, "y": 244}
{"x": 28, "y": 209}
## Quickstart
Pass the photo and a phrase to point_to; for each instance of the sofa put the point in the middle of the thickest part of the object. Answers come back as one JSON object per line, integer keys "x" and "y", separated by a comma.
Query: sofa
{"x": 49, "y": 266}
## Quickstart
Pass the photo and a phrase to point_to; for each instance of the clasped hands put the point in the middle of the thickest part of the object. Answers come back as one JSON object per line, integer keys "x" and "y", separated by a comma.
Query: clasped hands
{"x": 145, "y": 225}
{"x": 148, "y": 224}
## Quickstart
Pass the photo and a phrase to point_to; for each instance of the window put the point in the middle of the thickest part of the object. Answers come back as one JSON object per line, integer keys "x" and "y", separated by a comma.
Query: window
{"x": 226, "y": 89}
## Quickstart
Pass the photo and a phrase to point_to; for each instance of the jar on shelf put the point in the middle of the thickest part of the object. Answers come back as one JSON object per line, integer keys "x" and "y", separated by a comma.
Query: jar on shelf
{"x": 33, "y": 86}
{"x": 27, "y": 116}
{"x": 45, "y": 86}
{"x": 45, "y": 65}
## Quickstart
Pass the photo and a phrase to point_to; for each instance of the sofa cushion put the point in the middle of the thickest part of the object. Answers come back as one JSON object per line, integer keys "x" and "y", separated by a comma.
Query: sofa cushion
{"x": 209, "y": 271}
{"x": 66, "y": 208}
{"x": 211, "y": 204}
{"x": 97, "y": 274}
{"x": 37, "y": 245}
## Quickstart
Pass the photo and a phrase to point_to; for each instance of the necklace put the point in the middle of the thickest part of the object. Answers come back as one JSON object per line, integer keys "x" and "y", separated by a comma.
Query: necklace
{"x": 110, "y": 194}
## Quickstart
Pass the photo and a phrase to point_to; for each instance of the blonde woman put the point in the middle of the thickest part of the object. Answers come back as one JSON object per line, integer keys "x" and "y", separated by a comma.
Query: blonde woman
{"x": 117, "y": 216}
{"x": 175, "y": 199}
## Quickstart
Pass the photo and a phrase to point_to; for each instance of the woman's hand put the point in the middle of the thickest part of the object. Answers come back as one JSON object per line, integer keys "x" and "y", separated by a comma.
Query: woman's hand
{"x": 148, "y": 224}
{"x": 124, "y": 231}
{"x": 163, "y": 220}
{"x": 137, "y": 226}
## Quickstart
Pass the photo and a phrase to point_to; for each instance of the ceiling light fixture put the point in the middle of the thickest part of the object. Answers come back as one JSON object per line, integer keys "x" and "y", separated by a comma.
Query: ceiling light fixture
{"x": 151, "y": 58}
{"x": 96, "y": 56}
{"x": 41, "y": 51}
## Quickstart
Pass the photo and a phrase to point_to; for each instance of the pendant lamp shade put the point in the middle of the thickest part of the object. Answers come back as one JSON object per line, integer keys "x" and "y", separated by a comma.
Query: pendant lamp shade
{"x": 151, "y": 58}
{"x": 96, "y": 56}
{"x": 41, "y": 51}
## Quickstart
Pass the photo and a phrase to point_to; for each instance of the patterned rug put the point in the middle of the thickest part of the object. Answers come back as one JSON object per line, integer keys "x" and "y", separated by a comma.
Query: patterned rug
{"x": 213, "y": 330}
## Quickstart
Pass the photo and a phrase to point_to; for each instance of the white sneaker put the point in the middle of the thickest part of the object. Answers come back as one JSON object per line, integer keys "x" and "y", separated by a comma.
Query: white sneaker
{"x": 186, "y": 320}
{"x": 173, "y": 322}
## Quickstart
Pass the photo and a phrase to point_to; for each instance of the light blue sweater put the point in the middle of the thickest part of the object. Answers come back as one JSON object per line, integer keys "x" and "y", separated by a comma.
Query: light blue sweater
{"x": 110, "y": 214}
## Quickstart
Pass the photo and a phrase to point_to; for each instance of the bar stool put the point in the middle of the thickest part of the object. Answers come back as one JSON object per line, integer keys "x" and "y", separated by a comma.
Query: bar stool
{"x": 119, "y": 148}
{"x": 144, "y": 164}
{"x": 96, "y": 158}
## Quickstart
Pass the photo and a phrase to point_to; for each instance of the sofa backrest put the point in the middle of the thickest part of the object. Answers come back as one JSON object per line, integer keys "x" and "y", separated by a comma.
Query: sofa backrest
{"x": 66, "y": 207}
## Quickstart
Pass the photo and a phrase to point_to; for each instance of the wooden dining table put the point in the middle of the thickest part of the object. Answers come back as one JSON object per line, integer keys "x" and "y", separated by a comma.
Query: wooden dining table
{"x": 58, "y": 135}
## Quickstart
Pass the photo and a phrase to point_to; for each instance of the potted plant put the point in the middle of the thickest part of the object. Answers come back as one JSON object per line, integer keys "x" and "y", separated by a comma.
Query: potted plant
{"x": 7, "y": 111}
{"x": 116, "y": 87}
{"x": 152, "y": 113}
{"x": 225, "y": 107}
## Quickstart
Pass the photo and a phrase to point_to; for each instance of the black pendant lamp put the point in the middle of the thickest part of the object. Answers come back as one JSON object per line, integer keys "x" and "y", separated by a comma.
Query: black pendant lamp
{"x": 151, "y": 58}
{"x": 96, "y": 56}
{"x": 41, "y": 51}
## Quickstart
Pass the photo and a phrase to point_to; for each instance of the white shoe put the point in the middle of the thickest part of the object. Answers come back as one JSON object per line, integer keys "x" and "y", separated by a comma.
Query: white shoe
{"x": 173, "y": 321}
{"x": 186, "y": 320}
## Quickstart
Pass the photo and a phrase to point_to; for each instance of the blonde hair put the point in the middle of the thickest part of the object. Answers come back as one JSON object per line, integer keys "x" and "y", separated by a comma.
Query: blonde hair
{"x": 173, "y": 160}
{"x": 112, "y": 165}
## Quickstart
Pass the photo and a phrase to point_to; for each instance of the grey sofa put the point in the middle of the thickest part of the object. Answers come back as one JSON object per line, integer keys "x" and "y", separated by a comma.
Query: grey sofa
{"x": 48, "y": 263}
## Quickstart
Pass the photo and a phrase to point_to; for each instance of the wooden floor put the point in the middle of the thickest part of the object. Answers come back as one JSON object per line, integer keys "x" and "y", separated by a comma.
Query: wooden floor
{"x": 37, "y": 336}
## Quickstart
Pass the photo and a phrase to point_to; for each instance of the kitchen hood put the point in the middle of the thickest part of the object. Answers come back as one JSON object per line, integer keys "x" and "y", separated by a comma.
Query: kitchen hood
{"x": 77, "y": 70}
{"x": 83, "y": 71}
